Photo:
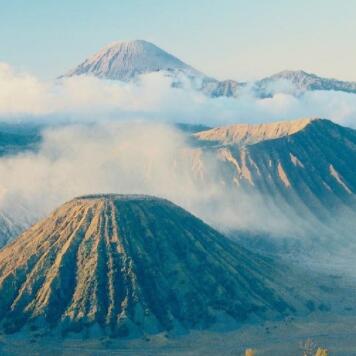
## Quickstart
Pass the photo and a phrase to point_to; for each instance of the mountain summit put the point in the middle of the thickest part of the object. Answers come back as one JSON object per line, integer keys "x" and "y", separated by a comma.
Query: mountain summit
{"x": 130, "y": 265}
{"x": 304, "y": 172}
{"x": 243, "y": 134}
{"x": 126, "y": 60}
{"x": 297, "y": 82}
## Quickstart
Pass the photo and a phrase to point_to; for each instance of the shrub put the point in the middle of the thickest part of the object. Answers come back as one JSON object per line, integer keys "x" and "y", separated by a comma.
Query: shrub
{"x": 321, "y": 352}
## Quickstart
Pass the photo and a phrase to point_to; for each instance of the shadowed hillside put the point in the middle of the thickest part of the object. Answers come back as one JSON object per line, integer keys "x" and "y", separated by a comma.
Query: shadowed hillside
{"x": 303, "y": 170}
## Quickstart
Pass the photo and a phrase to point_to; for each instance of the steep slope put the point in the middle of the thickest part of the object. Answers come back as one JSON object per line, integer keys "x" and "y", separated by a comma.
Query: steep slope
{"x": 127, "y": 265}
{"x": 304, "y": 170}
{"x": 300, "y": 148}
{"x": 298, "y": 82}
{"x": 243, "y": 134}
{"x": 126, "y": 60}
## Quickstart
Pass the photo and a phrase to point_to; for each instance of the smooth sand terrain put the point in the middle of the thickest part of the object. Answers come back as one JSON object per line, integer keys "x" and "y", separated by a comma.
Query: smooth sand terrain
{"x": 338, "y": 335}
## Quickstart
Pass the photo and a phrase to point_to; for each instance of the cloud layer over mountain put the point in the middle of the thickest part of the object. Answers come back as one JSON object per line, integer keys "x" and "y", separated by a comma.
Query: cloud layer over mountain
{"x": 135, "y": 157}
{"x": 120, "y": 141}
{"x": 152, "y": 97}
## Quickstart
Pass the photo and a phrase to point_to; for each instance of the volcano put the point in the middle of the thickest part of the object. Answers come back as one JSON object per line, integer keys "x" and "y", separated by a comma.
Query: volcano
{"x": 302, "y": 168}
{"x": 126, "y": 60}
{"x": 130, "y": 265}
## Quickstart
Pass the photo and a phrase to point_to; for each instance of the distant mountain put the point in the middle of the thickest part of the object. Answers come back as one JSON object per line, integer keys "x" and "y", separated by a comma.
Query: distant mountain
{"x": 304, "y": 170}
{"x": 132, "y": 265}
{"x": 224, "y": 88}
{"x": 126, "y": 61}
{"x": 298, "y": 82}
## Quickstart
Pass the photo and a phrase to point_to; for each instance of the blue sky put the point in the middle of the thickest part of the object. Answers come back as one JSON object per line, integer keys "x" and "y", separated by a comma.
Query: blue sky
{"x": 226, "y": 38}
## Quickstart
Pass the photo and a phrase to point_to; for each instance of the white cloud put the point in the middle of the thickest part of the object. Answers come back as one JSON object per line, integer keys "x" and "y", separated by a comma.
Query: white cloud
{"x": 150, "y": 157}
{"x": 133, "y": 157}
{"x": 153, "y": 98}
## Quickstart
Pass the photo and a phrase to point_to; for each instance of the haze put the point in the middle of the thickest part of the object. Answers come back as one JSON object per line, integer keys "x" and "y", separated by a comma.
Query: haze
{"x": 239, "y": 40}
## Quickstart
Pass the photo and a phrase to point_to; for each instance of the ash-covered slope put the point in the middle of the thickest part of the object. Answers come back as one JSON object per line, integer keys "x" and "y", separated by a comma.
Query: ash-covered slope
{"x": 127, "y": 265}
{"x": 309, "y": 155}
{"x": 243, "y": 134}
{"x": 304, "y": 169}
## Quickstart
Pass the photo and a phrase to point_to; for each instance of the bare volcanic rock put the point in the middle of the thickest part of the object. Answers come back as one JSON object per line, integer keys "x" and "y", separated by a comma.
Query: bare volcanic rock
{"x": 244, "y": 134}
{"x": 130, "y": 265}
{"x": 303, "y": 167}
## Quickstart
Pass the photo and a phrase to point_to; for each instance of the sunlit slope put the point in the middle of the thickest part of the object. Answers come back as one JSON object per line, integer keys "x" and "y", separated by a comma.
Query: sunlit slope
{"x": 304, "y": 171}
{"x": 127, "y": 265}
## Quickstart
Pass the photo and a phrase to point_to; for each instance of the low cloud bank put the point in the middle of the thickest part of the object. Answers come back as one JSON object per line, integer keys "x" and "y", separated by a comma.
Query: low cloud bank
{"x": 154, "y": 158}
{"x": 135, "y": 157}
{"x": 153, "y": 98}
{"x": 150, "y": 156}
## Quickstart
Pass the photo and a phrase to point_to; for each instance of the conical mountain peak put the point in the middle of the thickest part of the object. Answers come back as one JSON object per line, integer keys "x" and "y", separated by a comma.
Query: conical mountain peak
{"x": 130, "y": 265}
{"x": 125, "y": 60}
